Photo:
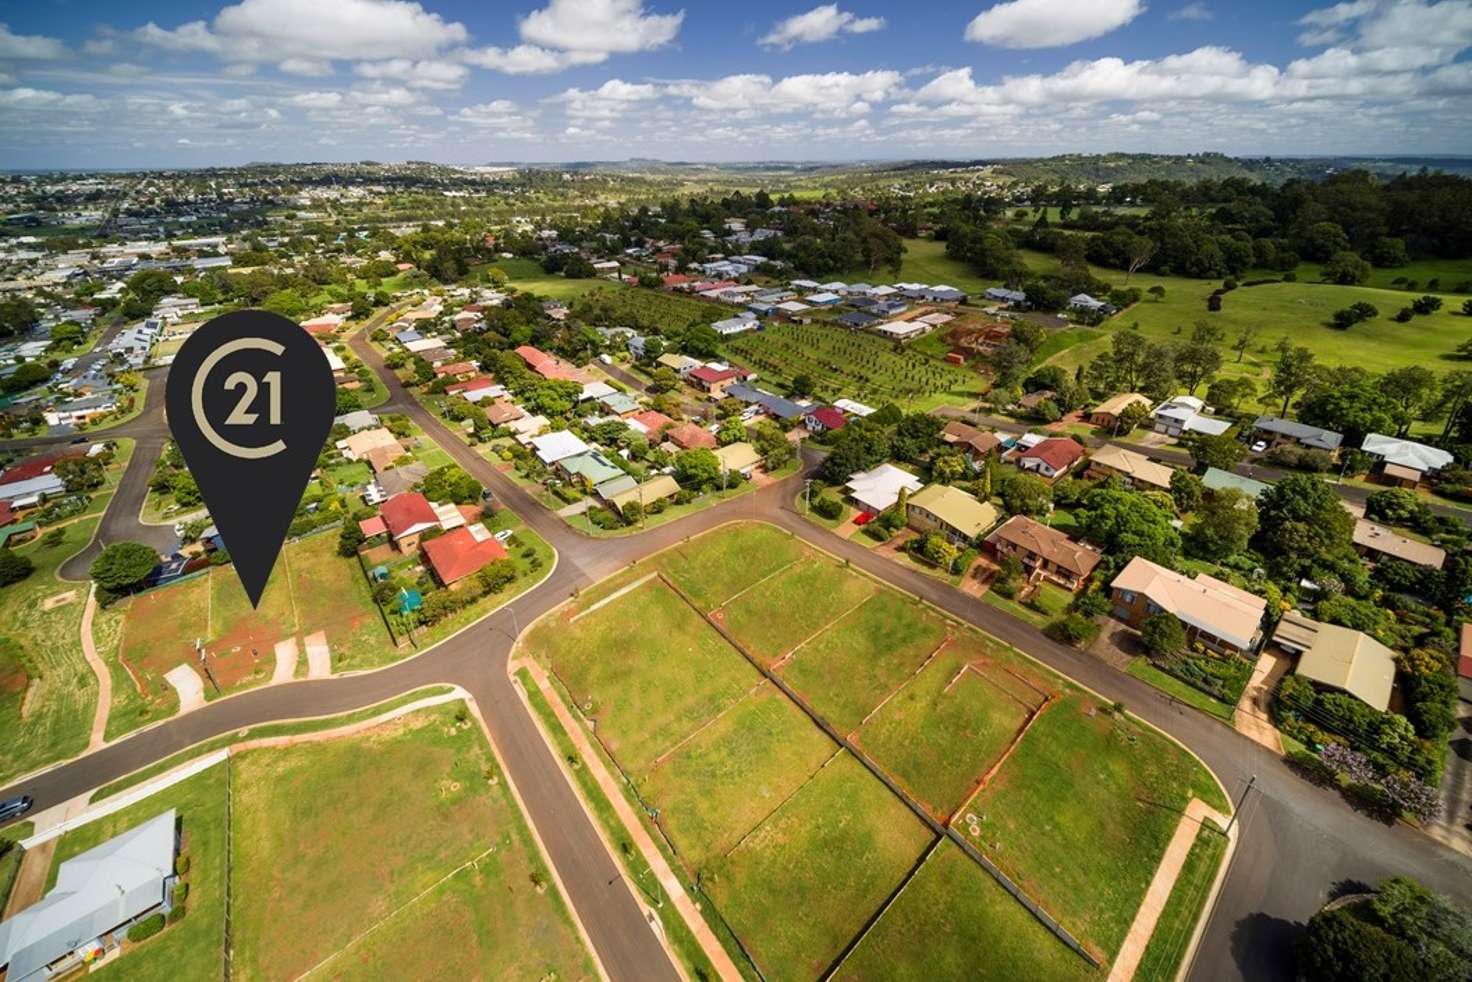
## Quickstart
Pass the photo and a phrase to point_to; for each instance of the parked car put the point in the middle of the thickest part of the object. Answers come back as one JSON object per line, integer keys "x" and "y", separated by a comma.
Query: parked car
{"x": 1259, "y": 446}
{"x": 15, "y": 807}
{"x": 504, "y": 534}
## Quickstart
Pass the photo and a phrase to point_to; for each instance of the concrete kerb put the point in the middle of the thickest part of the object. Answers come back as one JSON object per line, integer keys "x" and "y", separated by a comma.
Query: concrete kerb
{"x": 556, "y": 557}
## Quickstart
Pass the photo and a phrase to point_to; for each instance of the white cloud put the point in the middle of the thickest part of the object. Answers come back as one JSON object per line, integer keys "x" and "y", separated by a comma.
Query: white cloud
{"x": 28, "y": 47}
{"x": 305, "y": 67}
{"x": 270, "y": 30}
{"x": 426, "y": 74}
{"x": 819, "y": 24}
{"x": 831, "y": 91}
{"x": 100, "y": 46}
{"x": 316, "y": 100}
{"x": 1050, "y": 23}
{"x": 501, "y": 115}
{"x": 1194, "y": 11}
{"x": 603, "y": 26}
{"x": 28, "y": 98}
{"x": 609, "y": 101}
{"x": 529, "y": 59}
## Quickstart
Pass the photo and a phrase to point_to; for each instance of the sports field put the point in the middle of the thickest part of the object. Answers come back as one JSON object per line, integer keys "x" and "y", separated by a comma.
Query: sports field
{"x": 311, "y": 589}
{"x": 798, "y": 846}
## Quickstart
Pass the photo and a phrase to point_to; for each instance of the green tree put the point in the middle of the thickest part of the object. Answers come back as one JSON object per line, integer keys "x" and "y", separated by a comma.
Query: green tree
{"x": 1292, "y": 373}
{"x": 1213, "y": 450}
{"x": 123, "y": 566}
{"x": 1301, "y": 525}
{"x": 1346, "y": 268}
{"x": 697, "y": 469}
{"x": 1225, "y": 522}
{"x": 1026, "y": 494}
{"x": 731, "y": 431}
{"x": 1126, "y": 524}
{"x": 1185, "y": 490}
{"x": 1163, "y": 635}
{"x": 14, "y": 567}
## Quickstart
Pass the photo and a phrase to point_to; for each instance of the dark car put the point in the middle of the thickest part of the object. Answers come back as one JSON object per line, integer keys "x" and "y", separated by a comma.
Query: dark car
{"x": 80, "y": 439}
{"x": 15, "y": 807}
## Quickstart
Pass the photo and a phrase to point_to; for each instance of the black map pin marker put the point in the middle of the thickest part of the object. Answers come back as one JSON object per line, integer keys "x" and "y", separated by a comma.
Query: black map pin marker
{"x": 251, "y": 400}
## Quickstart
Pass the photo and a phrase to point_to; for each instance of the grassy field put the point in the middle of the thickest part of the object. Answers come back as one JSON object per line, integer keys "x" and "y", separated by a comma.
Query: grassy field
{"x": 864, "y": 656}
{"x": 647, "y": 697}
{"x": 793, "y": 606}
{"x": 433, "y": 855}
{"x": 769, "y": 817}
{"x": 860, "y": 366}
{"x": 527, "y": 275}
{"x": 193, "y": 947}
{"x": 840, "y": 845}
{"x": 1098, "y": 780}
{"x": 956, "y": 922}
{"x": 47, "y": 691}
{"x": 924, "y": 261}
{"x": 951, "y": 723}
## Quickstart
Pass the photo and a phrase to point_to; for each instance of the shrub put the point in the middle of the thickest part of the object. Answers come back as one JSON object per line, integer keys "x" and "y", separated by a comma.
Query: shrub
{"x": 1163, "y": 634}
{"x": 827, "y": 506}
{"x": 181, "y": 865}
{"x": 146, "y": 928}
{"x": 181, "y": 893}
{"x": 1074, "y": 629}
{"x": 176, "y": 913}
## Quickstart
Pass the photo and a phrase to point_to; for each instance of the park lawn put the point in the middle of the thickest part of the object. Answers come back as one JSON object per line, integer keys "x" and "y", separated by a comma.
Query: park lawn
{"x": 953, "y": 921}
{"x": 799, "y": 887}
{"x": 193, "y": 947}
{"x": 331, "y": 594}
{"x": 924, "y": 261}
{"x": 941, "y": 733}
{"x": 721, "y": 783}
{"x": 62, "y": 689}
{"x": 721, "y": 563}
{"x": 1081, "y": 812}
{"x": 320, "y": 855}
{"x": 793, "y": 606}
{"x": 863, "y": 657}
{"x": 648, "y": 668}
{"x": 1182, "y": 910}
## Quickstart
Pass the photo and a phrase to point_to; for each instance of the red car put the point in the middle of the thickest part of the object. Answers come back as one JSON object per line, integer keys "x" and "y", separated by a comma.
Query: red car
{"x": 864, "y": 518}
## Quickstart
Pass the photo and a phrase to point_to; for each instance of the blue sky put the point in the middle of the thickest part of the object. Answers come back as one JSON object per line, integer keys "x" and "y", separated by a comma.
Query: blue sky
{"x": 86, "y": 83}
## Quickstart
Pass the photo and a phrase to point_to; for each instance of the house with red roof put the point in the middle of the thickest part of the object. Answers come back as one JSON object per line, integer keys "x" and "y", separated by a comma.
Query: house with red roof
{"x": 461, "y": 553}
{"x": 1051, "y": 458}
{"x": 676, "y": 281}
{"x": 714, "y": 380}
{"x": 653, "y": 421}
{"x": 547, "y": 366}
{"x": 33, "y": 467}
{"x": 406, "y": 517}
{"x": 456, "y": 370}
{"x": 823, "y": 419}
{"x": 691, "y": 436}
{"x": 467, "y": 386}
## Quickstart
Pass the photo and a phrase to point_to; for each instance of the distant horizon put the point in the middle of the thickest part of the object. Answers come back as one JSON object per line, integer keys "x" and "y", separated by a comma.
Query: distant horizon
{"x": 165, "y": 84}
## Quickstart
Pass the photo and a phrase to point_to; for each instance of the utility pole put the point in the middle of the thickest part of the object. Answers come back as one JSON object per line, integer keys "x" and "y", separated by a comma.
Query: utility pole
{"x": 1240, "y": 801}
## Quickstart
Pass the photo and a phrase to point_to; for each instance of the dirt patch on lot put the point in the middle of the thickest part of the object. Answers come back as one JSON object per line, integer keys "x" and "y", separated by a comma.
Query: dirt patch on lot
{"x": 58, "y": 600}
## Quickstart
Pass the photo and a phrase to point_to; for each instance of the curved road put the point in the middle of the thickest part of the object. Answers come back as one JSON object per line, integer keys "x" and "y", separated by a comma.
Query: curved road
{"x": 1297, "y": 841}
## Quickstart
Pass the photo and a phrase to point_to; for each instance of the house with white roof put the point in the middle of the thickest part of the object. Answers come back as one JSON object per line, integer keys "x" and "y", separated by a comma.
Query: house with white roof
{"x": 1186, "y": 414}
{"x": 1404, "y": 462}
{"x": 552, "y": 447}
{"x": 876, "y": 489}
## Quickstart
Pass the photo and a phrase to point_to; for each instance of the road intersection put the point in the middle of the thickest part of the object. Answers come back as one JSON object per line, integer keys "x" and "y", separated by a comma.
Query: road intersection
{"x": 1298, "y": 842}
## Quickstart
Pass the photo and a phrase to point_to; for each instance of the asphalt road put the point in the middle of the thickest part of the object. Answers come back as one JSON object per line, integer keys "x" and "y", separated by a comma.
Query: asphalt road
{"x": 1298, "y": 843}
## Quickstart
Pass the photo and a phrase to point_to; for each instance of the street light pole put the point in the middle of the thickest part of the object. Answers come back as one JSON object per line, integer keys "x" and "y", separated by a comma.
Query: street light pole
{"x": 1240, "y": 801}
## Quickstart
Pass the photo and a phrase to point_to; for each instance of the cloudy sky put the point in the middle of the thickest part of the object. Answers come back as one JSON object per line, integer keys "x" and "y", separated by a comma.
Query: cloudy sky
{"x": 86, "y": 83}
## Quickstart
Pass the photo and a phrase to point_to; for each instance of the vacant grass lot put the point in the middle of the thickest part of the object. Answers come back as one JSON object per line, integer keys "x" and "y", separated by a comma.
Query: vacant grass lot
{"x": 321, "y": 855}
{"x": 193, "y": 947}
{"x": 48, "y": 696}
{"x": 723, "y": 781}
{"x": 954, "y": 922}
{"x": 648, "y": 668}
{"x": 1083, "y": 811}
{"x": 793, "y": 606}
{"x": 864, "y": 656}
{"x": 720, "y": 564}
{"x": 528, "y": 276}
{"x": 947, "y": 726}
{"x": 802, "y": 884}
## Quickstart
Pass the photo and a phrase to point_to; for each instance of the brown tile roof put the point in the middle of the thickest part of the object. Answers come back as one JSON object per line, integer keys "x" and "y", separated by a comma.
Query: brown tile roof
{"x": 1049, "y": 543}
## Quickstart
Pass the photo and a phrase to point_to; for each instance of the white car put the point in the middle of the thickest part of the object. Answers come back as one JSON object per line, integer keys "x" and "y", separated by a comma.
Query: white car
{"x": 1259, "y": 446}
{"x": 504, "y": 534}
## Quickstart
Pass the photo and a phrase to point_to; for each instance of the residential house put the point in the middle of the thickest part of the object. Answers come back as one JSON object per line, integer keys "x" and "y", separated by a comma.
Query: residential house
{"x": 548, "y": 366}
{"x": 745, "y": 321}
{"x": 657, "y": 488}
{"x": 1276, "y": 432}
{"x": 589, "y": 469}
{"x": 358, "y": 446}
{"x": 1217, "y": 615}
{"x": 461, "y": 553}
{"x": 1216, "y": 479}
{"x": 874, "y": 490}
{"x": 958, "y": 516}
{"x": 1404, "y": 462}
{"x": 456, "y": 370}
{"x": 1003, "y": 295}
{"x": 849, "y": 407}
{"x": 78, "y": 412}
{"x": 1084, "y": 302}
{"x": 358, "y": 419}
{"x": 1186, "y": 414}
{"x": 691, "y": 436}
{"x": 552, "y": 447}
{"x": 98, "y": 894}
{"x": 1106, "y": 414}
{"x": 1134, "y": 470}
{"x": 404, "y": 517}
{"x": 1378, "y": 542}
{"x": 824, "y": 419}
{"x": 773, "y": 405}
{"x": 716, "y": 379}
{"x": 650, "y": 422}
{"x": 740, "y": 458}
{"x": 1340, "y": 659}
{"x": 682, "y": 365}
{"x": 1045, "y": 552}
{"x": 501, "y": 412}
{"x": 976, "y": 444}
{"x": 397, "y": 480}
{"x": 1052, "y": 458}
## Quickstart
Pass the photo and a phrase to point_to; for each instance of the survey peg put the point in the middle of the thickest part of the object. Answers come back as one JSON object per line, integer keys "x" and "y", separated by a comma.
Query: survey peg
{"x": 251, "y": 400}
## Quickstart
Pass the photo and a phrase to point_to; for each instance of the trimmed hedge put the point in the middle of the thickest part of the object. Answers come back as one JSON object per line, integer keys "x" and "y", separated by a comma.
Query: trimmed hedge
{"x": 146, "y": 928}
